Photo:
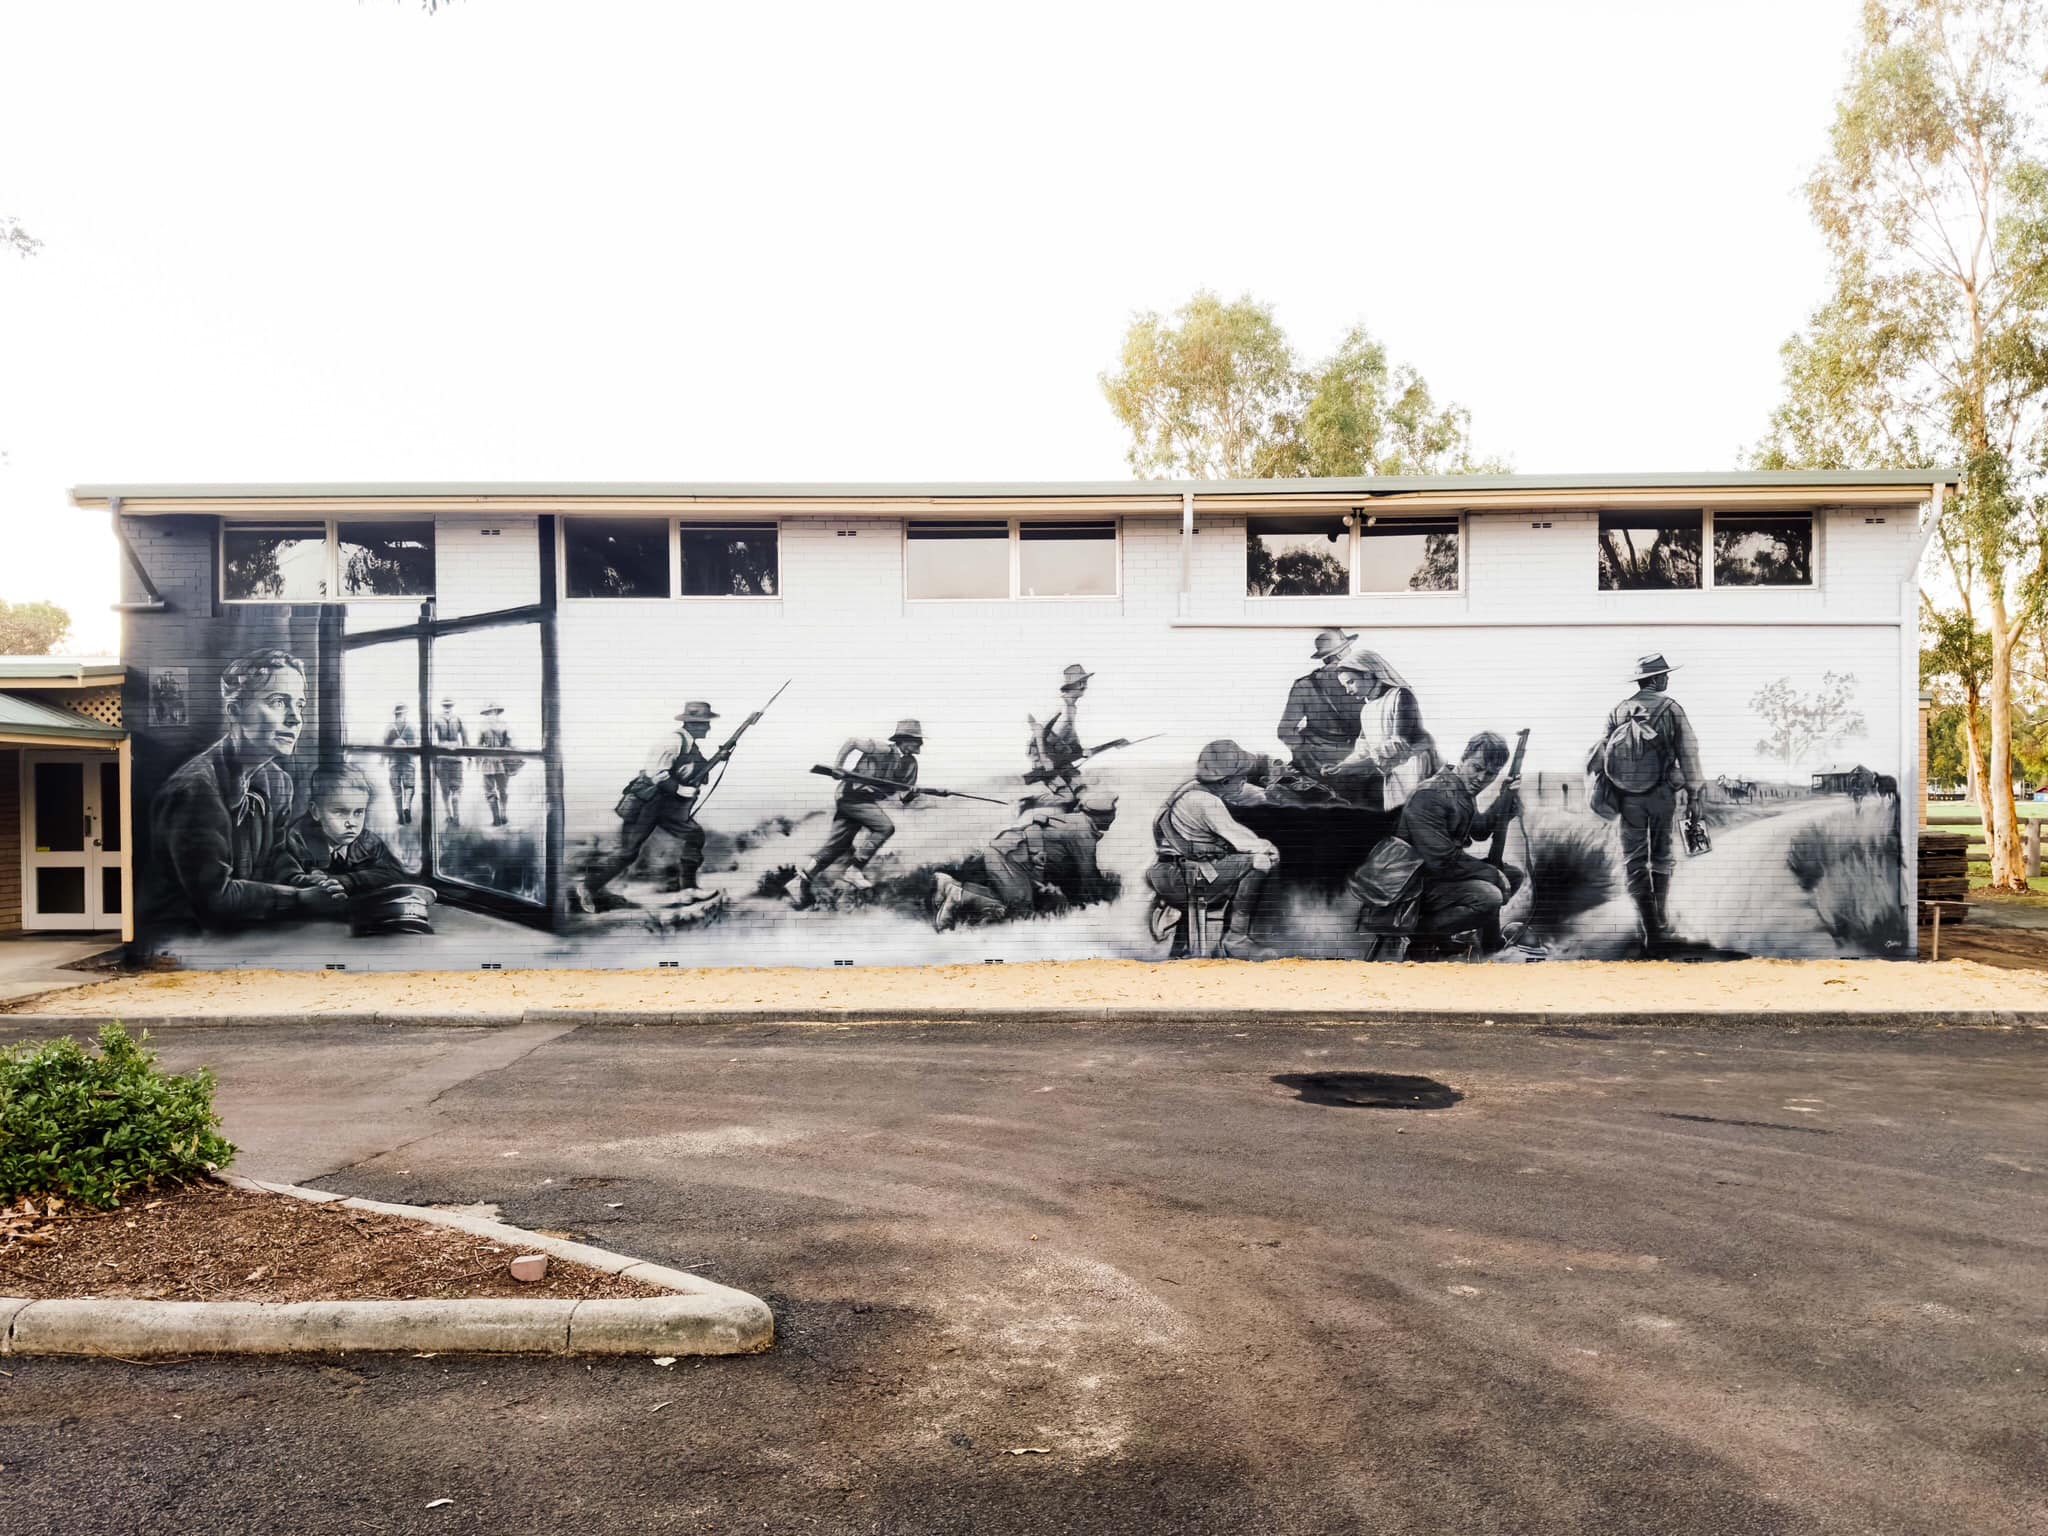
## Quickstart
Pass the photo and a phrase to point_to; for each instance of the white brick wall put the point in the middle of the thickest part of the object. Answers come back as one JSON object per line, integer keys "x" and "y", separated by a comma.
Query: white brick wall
{"x": 1528, "y": 642}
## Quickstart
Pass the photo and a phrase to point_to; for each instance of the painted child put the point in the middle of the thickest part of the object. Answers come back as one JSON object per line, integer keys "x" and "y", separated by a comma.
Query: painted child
{"x": 331, "y": 844}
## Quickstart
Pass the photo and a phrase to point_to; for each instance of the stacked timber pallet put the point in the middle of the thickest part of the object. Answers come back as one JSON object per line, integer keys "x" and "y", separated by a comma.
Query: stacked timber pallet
{"x": 1944, "y": 875}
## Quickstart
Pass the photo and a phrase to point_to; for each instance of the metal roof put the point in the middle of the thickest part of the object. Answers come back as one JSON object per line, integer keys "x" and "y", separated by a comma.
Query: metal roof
{"x": 25, "y": 717}
{"x": 83, "y": 670}
{"x": 1911, "y": 481}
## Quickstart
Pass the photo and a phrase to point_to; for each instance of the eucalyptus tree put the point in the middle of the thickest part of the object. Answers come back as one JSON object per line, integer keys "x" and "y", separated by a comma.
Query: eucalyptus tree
{"x": 1933, "y": 345}
{"x": 1217, "y": 393}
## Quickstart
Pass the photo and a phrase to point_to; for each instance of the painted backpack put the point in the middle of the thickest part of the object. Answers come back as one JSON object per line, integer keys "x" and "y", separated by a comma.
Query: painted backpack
{"x": 1632, "y": 757}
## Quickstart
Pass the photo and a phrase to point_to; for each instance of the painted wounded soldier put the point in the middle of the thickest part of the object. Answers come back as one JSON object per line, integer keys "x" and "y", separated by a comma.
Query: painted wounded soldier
{"x": 1047, "y": 852}
{"x": 219, "y": 822}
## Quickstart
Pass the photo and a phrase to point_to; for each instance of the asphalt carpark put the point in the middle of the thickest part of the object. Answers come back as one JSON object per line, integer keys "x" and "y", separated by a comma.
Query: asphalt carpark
{"x": 1672, "y": 1280}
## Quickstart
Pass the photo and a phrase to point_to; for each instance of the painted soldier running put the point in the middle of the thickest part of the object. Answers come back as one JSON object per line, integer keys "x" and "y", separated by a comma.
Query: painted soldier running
{"x": 1047, "y": 848}
{"x": 1056, "y": 749}
{"x": 1320, "y": 723}
{"x": 663, "y": 797}
{"x": 1200, "y": 844}
{"x": 1645, "y": 762}
{"x": 404, "y": 771}
{"x": 858, "y": 809}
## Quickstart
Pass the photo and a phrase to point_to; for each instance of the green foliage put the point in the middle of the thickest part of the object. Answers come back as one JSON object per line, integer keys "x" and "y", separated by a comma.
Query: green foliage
{"x": 1217, "y": 393}
{"x": 92, "y": 1128}
{"x": 31, "y": 629}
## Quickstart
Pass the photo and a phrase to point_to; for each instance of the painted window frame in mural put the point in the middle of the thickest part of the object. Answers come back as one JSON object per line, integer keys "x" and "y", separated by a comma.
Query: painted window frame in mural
{"x": 422, "y": 635}
{"x": 673, "y": 530}
{"x": 1352, "y": 528}
{"x": 1109, "y": 530}
{"x": 332, "y": 583}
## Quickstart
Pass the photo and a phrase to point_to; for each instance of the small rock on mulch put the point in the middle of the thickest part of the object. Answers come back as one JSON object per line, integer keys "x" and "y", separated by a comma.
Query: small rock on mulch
{"x": 206, "y": 1242}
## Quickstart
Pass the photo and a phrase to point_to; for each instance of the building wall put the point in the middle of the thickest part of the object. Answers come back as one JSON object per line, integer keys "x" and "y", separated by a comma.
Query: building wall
{"x": 10, "y": 840}
{"x": 1528, "y": 642}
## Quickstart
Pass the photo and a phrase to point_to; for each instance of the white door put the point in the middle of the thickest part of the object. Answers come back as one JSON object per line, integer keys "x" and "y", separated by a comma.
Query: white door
{"x": 71, "y": 853}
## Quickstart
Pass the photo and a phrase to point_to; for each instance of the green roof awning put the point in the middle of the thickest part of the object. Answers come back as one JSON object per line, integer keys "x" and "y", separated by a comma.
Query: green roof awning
{"x": 24, "y": 717}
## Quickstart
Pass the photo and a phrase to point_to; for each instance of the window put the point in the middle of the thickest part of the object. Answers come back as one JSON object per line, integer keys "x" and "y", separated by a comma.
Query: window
{"x": 616, "y": 557}
{"x": 1650, "y": 551}
{"x": 1066, "y": 560}
{"x": 1763, "y": 549}
{"x": 729, "y": 560}
{"x": 1009, "y": 559}
{"x": 1408, "y": 554}
{"x": 667, "y": 557}
{"x": 1298, "y": 557}
{"x": 1338, "y": 556}
{"x": 285, "y": 563}
{"x": 385, "y": 559}
{"x": 316, "y": 562}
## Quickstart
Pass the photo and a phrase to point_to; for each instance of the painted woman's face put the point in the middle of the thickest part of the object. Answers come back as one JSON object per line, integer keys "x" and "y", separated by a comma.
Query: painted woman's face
{"x": 270, "y": 711}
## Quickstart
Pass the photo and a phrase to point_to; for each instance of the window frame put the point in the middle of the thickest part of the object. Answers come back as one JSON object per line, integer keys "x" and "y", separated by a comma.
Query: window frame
{"x": 1814, "y": 516}
{"x": 1354, "y": 519}
{"x": 1815, "y": 522}
{"x": 1015, "y": 526}
{"x": 331, "y": 567}
{"x": 676, "y": 524}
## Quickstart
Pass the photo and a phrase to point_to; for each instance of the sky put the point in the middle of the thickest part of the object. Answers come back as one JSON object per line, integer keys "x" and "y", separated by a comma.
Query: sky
{"x": 656, "y": 240}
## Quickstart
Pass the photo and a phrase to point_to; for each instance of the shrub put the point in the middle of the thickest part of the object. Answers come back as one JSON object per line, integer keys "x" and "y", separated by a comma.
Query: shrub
{"x": 1573, "y": 863}
{"x": 1848, "y": 862}
{"x": 92, "y": 1128}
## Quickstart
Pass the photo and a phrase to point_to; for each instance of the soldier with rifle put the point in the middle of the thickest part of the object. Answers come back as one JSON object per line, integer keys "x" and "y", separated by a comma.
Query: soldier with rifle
{"x": 1442, "y": 820}
{"x": 665, "y": 796}
{"x": 882, "y": 771}
{"x": 1055, "y": 747}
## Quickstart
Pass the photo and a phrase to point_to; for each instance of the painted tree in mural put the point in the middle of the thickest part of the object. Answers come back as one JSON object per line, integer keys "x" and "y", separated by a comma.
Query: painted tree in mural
{"x": 1217, "y": 393}
{"x": 1798, "y": 725}
{"x": 16, "y": 239}
{"x": 32, "y": 629}
{"x": 1933, "y": 346}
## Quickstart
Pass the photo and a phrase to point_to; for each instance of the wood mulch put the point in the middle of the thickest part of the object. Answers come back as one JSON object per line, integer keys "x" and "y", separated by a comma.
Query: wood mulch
{"x": 208, "y": 1242}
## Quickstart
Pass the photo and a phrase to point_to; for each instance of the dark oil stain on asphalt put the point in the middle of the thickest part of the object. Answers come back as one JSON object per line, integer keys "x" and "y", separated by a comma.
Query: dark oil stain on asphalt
{"x": 1370, "y": 1090}
{"x": 1569, "y": 1032}
{"x": 1754, "y": 1125}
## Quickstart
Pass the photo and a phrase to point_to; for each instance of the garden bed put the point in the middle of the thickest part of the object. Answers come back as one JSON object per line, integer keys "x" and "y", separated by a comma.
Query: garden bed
{"x": 208, "y": 1242}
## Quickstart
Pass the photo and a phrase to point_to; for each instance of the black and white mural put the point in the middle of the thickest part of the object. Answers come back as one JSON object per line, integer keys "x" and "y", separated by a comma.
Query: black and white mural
{"x": 388, "y": 787}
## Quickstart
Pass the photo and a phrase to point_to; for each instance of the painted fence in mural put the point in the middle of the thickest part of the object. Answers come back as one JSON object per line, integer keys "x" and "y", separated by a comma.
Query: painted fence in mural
{"x": 539, "y": 783}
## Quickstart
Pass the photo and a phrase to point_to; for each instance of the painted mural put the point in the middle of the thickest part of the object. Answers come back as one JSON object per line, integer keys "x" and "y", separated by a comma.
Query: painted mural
{"x": 402, "y": 791}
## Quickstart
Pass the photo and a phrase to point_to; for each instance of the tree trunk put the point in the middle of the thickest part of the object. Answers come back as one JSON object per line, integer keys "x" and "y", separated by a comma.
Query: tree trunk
{"x": 2002, "y": 827}
{"x": 1973, "y": 746}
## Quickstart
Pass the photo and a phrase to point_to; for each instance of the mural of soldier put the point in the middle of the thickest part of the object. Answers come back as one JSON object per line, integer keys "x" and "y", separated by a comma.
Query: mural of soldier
{"x": 404, "y": 771}
{"x": 1644, "y": 765}
{"x": 219, "y": 822}
{"x": 497, "y": 771}
{"x": 1055, "y": 749}
{"x": 450, "y": 730}
{"x": 1046, "y": 847}
{"x": 1320, "y": 723}
{"x": 663, "y": 798}
{"x": 1441, "y": 822}
{"x": 1207, "y": 852}
{"x": 857, "y": 807}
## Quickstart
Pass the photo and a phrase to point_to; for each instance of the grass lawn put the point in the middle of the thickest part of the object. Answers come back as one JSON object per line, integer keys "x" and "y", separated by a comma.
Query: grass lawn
{"x": 1979, "y": 891}
{"x": 1943, "y": 811}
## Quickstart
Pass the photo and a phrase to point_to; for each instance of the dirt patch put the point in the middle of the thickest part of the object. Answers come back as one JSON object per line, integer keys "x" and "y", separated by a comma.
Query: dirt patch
{"x": 206, "y": 1242}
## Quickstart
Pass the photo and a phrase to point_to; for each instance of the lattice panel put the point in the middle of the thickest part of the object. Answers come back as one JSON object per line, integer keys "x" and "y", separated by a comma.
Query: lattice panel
{"x": 102, "y": 706}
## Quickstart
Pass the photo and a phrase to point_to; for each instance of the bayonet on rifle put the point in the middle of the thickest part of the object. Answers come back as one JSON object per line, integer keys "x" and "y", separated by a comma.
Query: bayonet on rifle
{"x": 891, "y": 787}
{"x": 1499, "y": 849}
{"x": 1046, "y": 775}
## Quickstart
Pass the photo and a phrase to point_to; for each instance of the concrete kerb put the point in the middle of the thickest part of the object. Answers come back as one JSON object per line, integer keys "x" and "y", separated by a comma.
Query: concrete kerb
{"x": 702, "y": 1317}
{"x": 1237, "y": 1018}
